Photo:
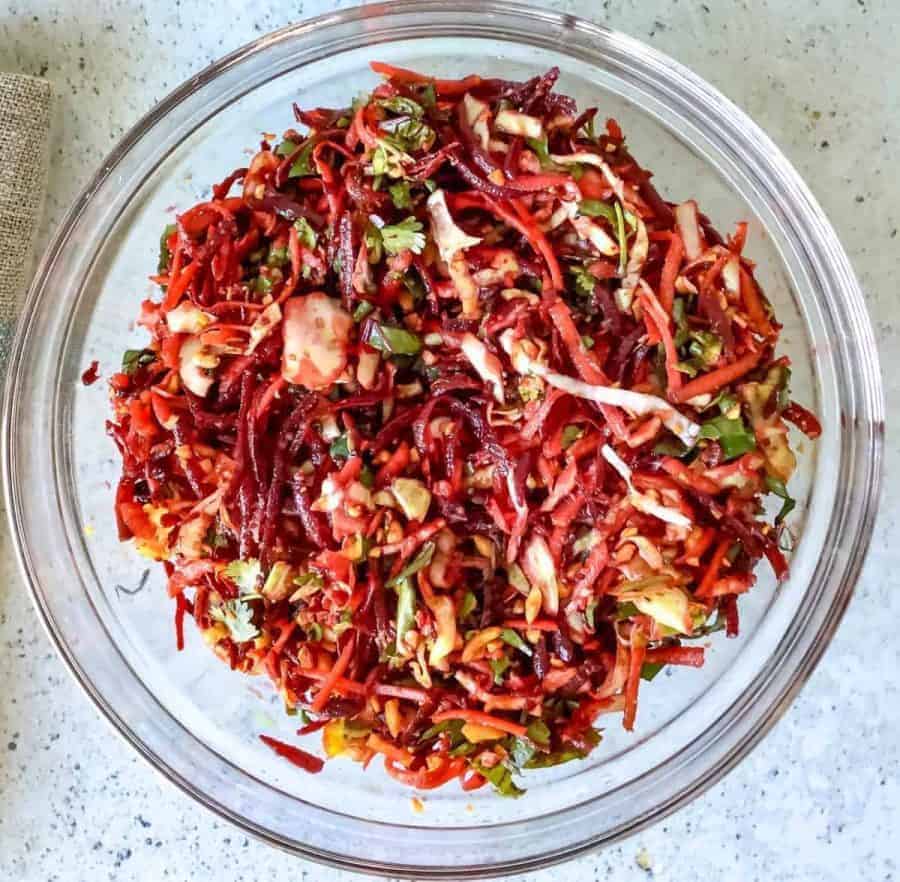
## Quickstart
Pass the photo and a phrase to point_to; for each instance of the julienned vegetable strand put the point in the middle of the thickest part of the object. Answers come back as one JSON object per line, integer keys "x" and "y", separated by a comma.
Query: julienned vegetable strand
{"x": 453, "y": 428}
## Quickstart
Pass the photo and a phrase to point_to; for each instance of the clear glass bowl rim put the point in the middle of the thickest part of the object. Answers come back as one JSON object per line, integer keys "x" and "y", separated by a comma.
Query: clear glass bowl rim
{"x": 861, "y": 396}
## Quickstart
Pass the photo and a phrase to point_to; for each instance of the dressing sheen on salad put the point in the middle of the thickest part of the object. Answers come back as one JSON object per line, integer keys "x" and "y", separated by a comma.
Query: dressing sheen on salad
{"x": 454, "y": 428}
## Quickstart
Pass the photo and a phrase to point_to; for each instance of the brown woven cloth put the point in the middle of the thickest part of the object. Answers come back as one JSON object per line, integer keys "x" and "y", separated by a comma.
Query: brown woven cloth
{"x": 25, "y": 105}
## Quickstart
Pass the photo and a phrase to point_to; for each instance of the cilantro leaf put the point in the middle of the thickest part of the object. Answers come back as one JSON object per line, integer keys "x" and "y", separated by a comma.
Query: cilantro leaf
{"x": 405, "y": 235}
{"x": 498, "y": 668}
{"x": 468, "y": 604}
{"x": 237, "y": 616}
{"x": 400, "y": 194}
{"x": 732, "y": 435}
{"x": 245, "y": 574}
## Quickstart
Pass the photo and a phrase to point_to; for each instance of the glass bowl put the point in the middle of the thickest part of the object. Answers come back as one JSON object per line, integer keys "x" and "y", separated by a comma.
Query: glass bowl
{"x": 194, "y": 720}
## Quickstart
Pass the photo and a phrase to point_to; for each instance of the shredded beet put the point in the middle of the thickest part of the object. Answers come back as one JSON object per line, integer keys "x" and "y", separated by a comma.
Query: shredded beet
{"x": 454, "y": 428}
{"x": 92, "y": 374}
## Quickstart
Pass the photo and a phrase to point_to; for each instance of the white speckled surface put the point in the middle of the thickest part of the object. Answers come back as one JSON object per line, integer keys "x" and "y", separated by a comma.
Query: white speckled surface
{"x": 819, "y": 799}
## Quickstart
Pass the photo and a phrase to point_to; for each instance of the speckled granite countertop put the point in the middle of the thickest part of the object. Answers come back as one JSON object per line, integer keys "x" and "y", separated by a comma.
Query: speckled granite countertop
{"x": 820, "y": 798}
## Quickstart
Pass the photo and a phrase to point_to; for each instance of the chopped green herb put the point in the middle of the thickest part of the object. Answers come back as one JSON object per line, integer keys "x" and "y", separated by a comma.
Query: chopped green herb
{"x": 500, "y": 777}
{"x": 314, "y": 632}
{"x": 367, "y": 477}
{"x": 237, "y": 616}
{"x": 164, "y": 254}
{"x": 557, "y": 758}
{"x": 587, "y": 341}
{"x": 776, "y": 486}
{"x": 261, "y": 284}
{"x": 570, "y": 435}
{"x": 428, "y": 96}
{"x": 402, "y": 106}
{"x": 302, "y": 166}
{"x": 539, "y": 733}
{"x": 400, "y": 194}
{"x": 132, "y": 359}
{"x": 498, "y": 667}
{"x": 650, "y": 669}
{"x": 374, "y": 245}
{"x": 277, "y": 257}
{"x": 419, "y": 562}
{"x": 732, "y": 435}
{"x": 585, "y": 280}
{"x": 216, "y": 540}
{"x": 285, "y": 148}
{"x": 670, "y": 446}
{"x": 507, "y": 635}
{"x": 596, "y": 208}
{"x": 405, "y": 235}
{"x": 406, "y": 608}
{"x": 245, "y": 574}
{"x": 363, "y": 309}
{"x": 539, "y": 146}
{"x": 305, "y": 233}
{"x": 521, "y": 750}
{"x": 469, "y": 602}
{"x": 394, "y": 341}
{"x": 589, "y": 614}
{"x": 340, "y": 447}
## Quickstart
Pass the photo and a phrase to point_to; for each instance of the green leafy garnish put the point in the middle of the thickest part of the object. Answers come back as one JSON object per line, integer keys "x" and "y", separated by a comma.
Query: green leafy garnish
{"x": 428, "y": 96}
{"x": 777, "y": 486}
{"x": 650, "y": 669}
{"x": 374, "y": 247}
{"x": 570, "y": 435}
{"x": 400, "y": 194}
{"x": 521, "y": 750}
{"x": 164, "y": 254}
{"x": 405, "y": 235}
{"x": 498, "y": 667}
{"x": 670, "y": 446}
{"x": 734, "y": 437}
{"x": 302, "y": 166}
{"x": 419, "y": 562}
{"x": 237, "y": 616}
{"x": 557, "y": 758}
{"x": 596, "y": 208}
{"x": 585, "y": 280}
{"x": 215, "y": 540}
{"x": 394, "y": 341}
{"x": 363, "y": 309}
{"x": 245, "y": 574}
{"x": 132, "y": 359}
{"x": 314, "y": 632}
{"x": 305, "y": 233}
{"x": 500, "y": 777}
{"x": 402, "y": 106}
{"x": 587, "y": 341}
{"x": 538, "y": 733}
{"x": 406, "y": 608}
{"x": 261, "y": 284}
{"x": 340, "y": 447}
{"x": 507, "y": 635}
{"x": 469, "y": 602}
{"x": 589, "y": 614}
{"x": 277, "y": 257}
{"x": 542, "y": 150}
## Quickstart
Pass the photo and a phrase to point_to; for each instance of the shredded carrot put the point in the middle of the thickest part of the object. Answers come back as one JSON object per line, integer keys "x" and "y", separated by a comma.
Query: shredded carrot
{"x": 709, "y": 383}
{"x": 482, "y": 719}
{"x": 712, "y": 570}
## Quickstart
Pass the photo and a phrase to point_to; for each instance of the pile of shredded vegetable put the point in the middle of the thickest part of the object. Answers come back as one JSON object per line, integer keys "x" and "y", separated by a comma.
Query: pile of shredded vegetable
{"x": 454, "y": 428}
